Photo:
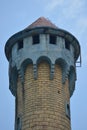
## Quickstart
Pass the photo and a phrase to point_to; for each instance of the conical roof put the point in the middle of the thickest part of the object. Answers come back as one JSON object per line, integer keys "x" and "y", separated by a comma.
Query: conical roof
{"x": 42, "y": 22}
{"x": 35, "y": 26}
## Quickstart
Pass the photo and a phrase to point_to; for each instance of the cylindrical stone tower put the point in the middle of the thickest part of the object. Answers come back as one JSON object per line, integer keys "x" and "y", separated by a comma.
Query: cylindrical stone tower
{"x": 42, "y": 73}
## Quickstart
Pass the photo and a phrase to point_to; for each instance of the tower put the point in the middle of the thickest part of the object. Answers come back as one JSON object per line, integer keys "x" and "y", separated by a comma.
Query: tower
{"x": 42, "y": 74}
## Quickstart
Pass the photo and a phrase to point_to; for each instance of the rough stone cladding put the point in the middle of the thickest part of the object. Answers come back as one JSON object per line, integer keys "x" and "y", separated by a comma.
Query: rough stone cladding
{"x": 41, "y": 102}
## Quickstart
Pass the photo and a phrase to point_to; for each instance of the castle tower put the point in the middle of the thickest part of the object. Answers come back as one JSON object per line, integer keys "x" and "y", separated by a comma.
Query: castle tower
{"x": 42, "y": 74}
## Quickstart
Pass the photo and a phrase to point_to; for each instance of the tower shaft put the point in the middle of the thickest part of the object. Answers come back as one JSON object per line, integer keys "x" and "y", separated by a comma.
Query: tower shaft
{"x": 42, "y": 103}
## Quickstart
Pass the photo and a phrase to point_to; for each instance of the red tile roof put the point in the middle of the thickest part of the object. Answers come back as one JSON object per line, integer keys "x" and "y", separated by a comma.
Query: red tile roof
{"x": 42, "y": 22}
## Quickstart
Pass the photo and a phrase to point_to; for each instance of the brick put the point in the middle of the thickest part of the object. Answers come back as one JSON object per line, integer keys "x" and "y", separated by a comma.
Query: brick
{"x": 43, "y": 104}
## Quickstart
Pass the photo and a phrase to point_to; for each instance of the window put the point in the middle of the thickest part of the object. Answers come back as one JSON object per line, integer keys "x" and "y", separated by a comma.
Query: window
{"x": 36, "y": 39}
{"x": 67, "y": 44}
{"x": 68, "y": 110}
{"x": 18, "y": 123}
{"x": 20, "y": 44}
{"x": 52, "y": 39}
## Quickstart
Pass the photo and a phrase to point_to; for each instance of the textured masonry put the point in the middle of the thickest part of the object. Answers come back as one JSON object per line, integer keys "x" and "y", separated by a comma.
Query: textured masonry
{"x": 43, "y": 104}
{"x": 42, "y": 74}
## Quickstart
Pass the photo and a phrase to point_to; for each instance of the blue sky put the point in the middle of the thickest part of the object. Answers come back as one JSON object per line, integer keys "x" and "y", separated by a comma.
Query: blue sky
{"x": 70, "y": 15}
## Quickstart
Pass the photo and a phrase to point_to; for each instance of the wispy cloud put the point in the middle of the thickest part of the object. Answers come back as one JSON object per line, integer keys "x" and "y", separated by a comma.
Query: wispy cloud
{"x": 67, "y": 9}
{"x": 73, "y": 8}
{"x": 72, "y": 13}
{"x": 53, "y": 4}
{"x": 82, "y": 23}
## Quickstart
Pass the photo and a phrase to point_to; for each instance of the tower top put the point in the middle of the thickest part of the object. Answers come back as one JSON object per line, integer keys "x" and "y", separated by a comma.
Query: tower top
{"x": 42, "y": 22}
{"x": 42, "y": 74}
{"x": 42, "y": 26}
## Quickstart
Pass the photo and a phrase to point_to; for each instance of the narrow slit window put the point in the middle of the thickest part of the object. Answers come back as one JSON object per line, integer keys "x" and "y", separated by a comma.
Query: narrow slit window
{"x": 18, "y": 123}
{"x": 52, "y": 39}
{"x": 68, "y": 110}
{"x": 67, "y": 44}
{"x": 36, "y": 39}
{"x": 20, "y": 44}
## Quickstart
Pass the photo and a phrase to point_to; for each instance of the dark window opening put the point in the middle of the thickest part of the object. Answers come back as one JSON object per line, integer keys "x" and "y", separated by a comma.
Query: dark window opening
{"x": 52, "y": 39}
{"x": 67, "y": 44}
{"x": 68, "y": 110}
{"x": 36, "y": 39}
{"x": 18, "y": 123}
{"x": 58, "y": 91}
{"x": 20, "y": 44}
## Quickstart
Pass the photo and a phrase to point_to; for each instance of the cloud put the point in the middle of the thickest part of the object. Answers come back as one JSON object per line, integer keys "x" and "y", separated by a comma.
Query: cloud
{"x": 72, "y": 13}
{"x": 82, "y": 23}
{"x": 67, "y": 9}
{"x": 52, "y": 4}
{"x": 73, "y": 8}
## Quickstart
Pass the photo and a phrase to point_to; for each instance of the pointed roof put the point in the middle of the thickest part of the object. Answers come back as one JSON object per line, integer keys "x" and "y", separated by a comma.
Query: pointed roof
{"x": 34, "y": 28}
{"x": 42, "y": 22}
